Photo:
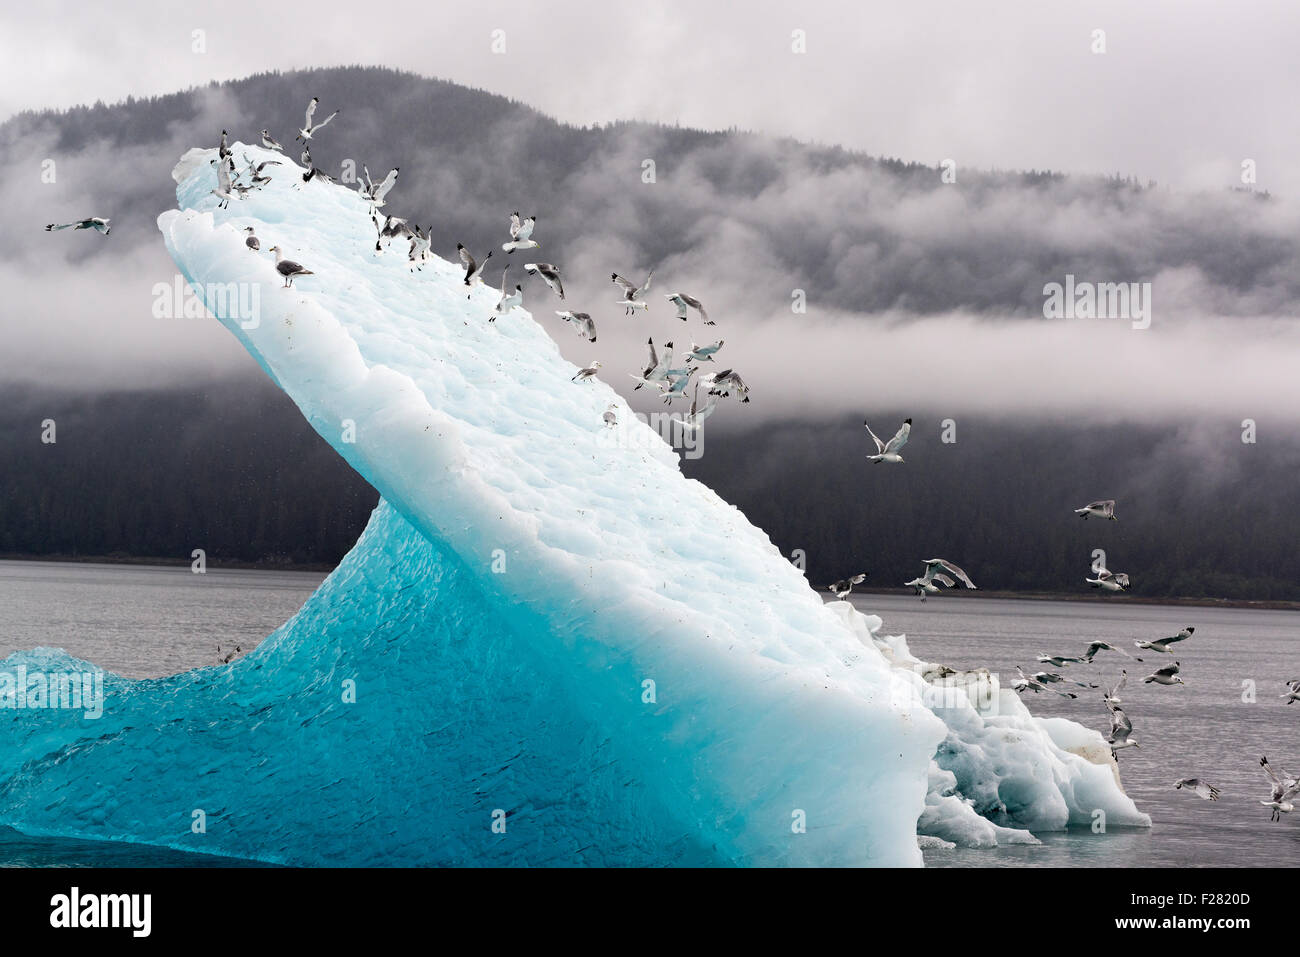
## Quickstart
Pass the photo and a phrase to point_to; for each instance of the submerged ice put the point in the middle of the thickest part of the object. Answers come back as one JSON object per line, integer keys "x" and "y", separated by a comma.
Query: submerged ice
{"x": 548, "y": 647}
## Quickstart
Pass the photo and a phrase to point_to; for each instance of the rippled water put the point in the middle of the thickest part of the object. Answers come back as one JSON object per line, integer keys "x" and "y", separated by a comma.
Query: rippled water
{"x": 145, "y": 621}
{"x": 1203, "y": 729}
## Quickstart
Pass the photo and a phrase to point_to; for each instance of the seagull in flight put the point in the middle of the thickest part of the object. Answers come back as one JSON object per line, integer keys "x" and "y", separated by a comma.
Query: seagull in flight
{"x": 288, "y": 268}
{"x": 703, "y": 353}
{"x": 1293, "y": 691}
{"x": 675, "y": 383}
{"x": 842, "y": 589}
{"x": 1051, "y": 677}
{"x": 1104, "y": 509}
{"x": 268, "y": 141}
{"x": 1058, "y": 661}
{"x": 726, "y": 382}
{"x": 508, "y": 300}
{"x": 1162, "y": 644}
{"x": 581, "y": 321}
{"x": 684, "y": 302}
{"x": 473, "y": 270}
{"x": 657, "y": 369}
{"x": 309, "y": 129}
{"x": 1168, "y": 675}
{"x": 632, "y": 295}
{"x": 375, "y": 193}
{"x": 550, "y": 275}
{"x": 1285, "y": 788}
{"x": 1203, "y": 789}
{"x": 1109, "y": 581}
{"x": 888, "y": 451}
{"x": 1027, "y": 683}
{"x": 98, "y": 223}
{"x": 224, "y": 190}
{"x": 521, "y": 232}
{"x": 1111, "y": 698}
{"x": 1097, "y": 646}
{"x": 1120, "y": 730}
{"x": 942, "y": 570}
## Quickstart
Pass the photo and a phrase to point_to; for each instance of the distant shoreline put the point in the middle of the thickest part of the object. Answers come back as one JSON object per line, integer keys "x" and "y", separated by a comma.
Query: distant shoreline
{"x": 1265, "y": 604}
{"x": 167, "y": 562}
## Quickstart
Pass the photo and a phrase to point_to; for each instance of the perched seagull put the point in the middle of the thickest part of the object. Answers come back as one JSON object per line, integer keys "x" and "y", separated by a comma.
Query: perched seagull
{"x": 1293, "y": 692}
{"x": 1284, "y": 789}
{"x": 584, "y": 374}
{"x": 632, "y": 295}
{"x": 1102, "y": 509}
{"x": 940, "y": 569}
{"x": 657, "y": 369}
{"x": 252, "y": 242}
{"x": 1120, "y": 729}
{"x": 309, "y": 129}
{"x": 1168, "y": 675}
{"x": 703, "y": 353}
{"x": 1097, "y": 646}
{"x": 842, "y": 589}
{"x": 521, "y": 232}
{"x": 268, "y": 141}
{"x": 675, "y": 384}
{"x": 583, "y": 322}
{"x": 228, "y": 656}
{"x": 1112, "y": 697}
{"x": 888, "y": 451}
{"x": 1203, "y": 789}
{"x": 418, "y": 254}
{"x": 287, "y": 268}
{"x": 550, "y": 275}
{"x": 1058, "y": 661}
{"x": 223, "y": 192}
{"x": 695, "y": 418}
{"x": 1026, "y": 683}
{"x": 98, "y": 223}
{"x": 1162, "y": 644}
{"x": 725, "y": 382}
{"x": 1109, "y": 581}
{"x": 508, "y": 300}
{"x": 684, "y": 302}
{"x": 473, "y": 270}
{"x": 611, "y": 416}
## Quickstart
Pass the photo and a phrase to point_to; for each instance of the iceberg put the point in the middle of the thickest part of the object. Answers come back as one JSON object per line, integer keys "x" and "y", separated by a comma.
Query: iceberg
{"x": 548, "y": 647}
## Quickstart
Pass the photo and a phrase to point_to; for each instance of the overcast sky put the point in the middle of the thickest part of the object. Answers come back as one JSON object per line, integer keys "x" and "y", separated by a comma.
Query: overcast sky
{"x": 1186, "y": 90}
{"x": 1183, "y": 94}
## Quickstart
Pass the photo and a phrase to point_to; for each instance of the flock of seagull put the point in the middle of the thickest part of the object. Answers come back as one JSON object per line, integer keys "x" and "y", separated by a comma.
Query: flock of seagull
{"x": 938, "y": 571}
{"x": 672, "y": 381}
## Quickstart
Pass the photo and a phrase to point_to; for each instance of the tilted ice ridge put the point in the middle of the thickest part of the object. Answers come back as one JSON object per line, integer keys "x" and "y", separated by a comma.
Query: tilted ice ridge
{"x": 544, "y": 620}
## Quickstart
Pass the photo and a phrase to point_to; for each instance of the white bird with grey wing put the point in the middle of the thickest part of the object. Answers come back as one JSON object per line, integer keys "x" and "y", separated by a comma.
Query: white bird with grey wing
{"x": 1293, "y": 691}
{"x": 1121, "y": 731}
{"x": 1109, "y": 581}
{"x": 695, "y": 418}
{"x": 418, "y": 254}
{"x": 1162, "y": 644}
{"x": 675, "y": 383}
{"x": 703, "y": 353}
{"x": 375, "y": 193}
{"x": 1031, "y": 683}
{"x": 508, "y": 299}
{"x": 1168, "y": 675}
{"x": 473, "y": 269}
{"x": 942, "y": 570}
{"x": 726, "y": 382}
{"x": 656, "y": 371}
{"x": 584, "y": 375}
{"x": 550, "y": 275}
{"x": 251, "y": 241}
{"x": 309, "y": 129}
{"x": 684, "y": 302}
{"x": 521, "y": 232}
{"x": 888, "y": 451}
{"x": 1202, "y": 789}
{"x": 1285, "y": 787}
{"x": 287, "y": 268}
{"x": 633, "y": 296}
{"x": 98, "y": 223}
{"x": 1111, "y": 698}
{"x": 392, "y": 228}
{"x": 268, "y": 141}
{"x": 224, "y": 190}
{"x": 1104, "y": 509}
{"x": 1099, "y": 646}
{"x": 844, "y": 587}
{"x": 581, "y": 321}
{"x": 1058, "y": 661}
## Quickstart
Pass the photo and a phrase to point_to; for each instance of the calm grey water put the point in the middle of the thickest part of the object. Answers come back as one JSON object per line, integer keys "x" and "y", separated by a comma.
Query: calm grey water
{"x": 150, "y": 621}
{"x": 1203, "y": 729}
